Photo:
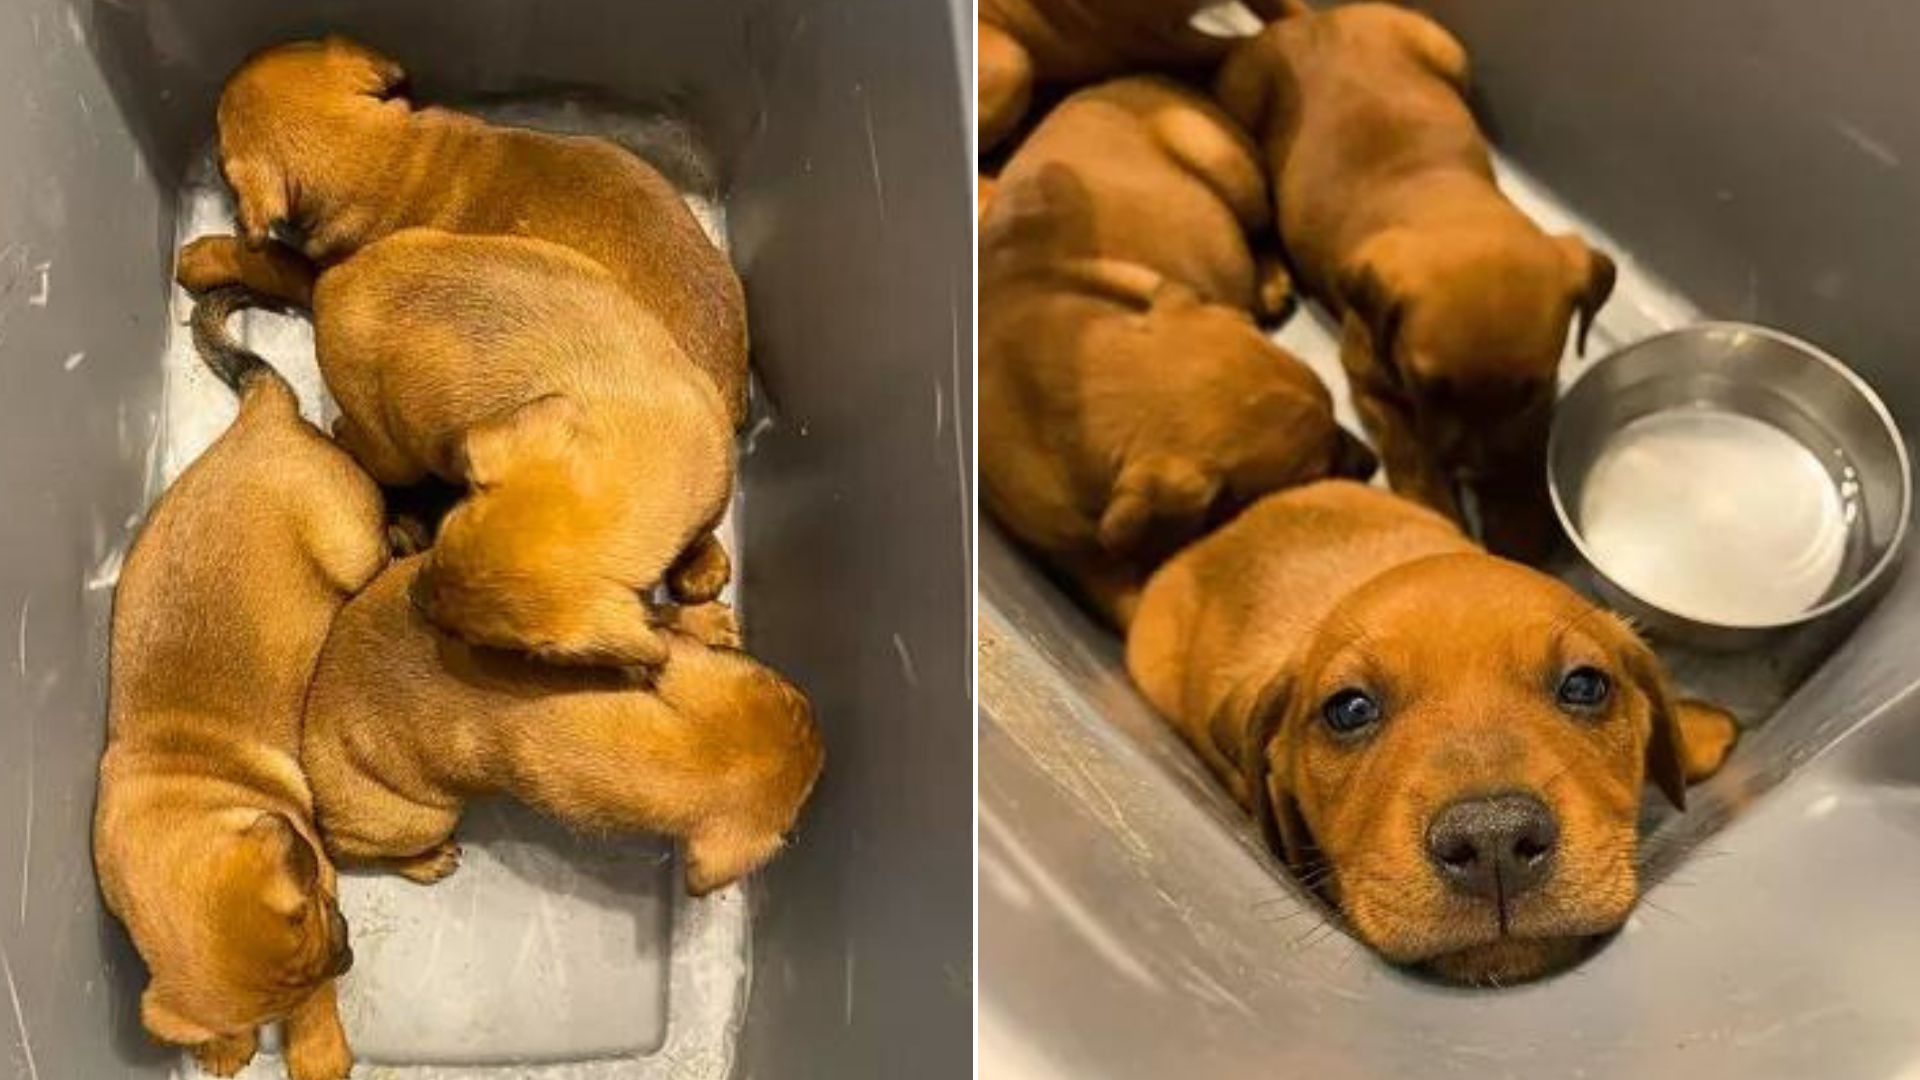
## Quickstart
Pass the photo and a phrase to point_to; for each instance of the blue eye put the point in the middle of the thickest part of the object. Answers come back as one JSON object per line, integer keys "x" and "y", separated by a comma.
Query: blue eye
{"x": 1584, "y": 688}
{"x": 1350, "y": 711}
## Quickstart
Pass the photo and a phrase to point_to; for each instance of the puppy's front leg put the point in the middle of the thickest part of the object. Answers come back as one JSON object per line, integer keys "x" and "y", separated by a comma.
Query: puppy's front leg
{"x": 316, "y": 1043}
{"x": 701, "y": 572}
{"x": 226, "y": 1057}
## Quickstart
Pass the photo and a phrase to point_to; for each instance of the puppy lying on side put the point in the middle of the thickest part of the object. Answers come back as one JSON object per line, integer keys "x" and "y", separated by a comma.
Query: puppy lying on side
{"x": 1127, "y": 399}
{"x": 405, "y": 724}
{"x": 1023, "y": 42}
{"x": 203, "y": 835}
{"x": 1450, "y": 744}
{"x": 315, "y": 135}
{"x": 598, "y": 461}
{"x": 1455, "y": 304}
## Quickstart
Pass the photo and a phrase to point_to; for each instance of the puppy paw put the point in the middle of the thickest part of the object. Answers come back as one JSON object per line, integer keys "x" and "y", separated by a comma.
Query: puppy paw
{"x": 1274, "y": 297}
{"x": 433, "y": 865}
{"x": 701, "y": 572}
{"x": 720, "y": 858}
{"x": 714, "y": 625}
{"x": 226, "y": 1057}
{"x": 207, "y": 263}
{"x": 408, "y": 535}
{"x": 317, "y": 1049}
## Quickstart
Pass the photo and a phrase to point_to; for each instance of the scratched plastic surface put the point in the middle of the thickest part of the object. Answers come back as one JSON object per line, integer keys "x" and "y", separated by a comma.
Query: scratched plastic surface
{"x": 545, "y": 948}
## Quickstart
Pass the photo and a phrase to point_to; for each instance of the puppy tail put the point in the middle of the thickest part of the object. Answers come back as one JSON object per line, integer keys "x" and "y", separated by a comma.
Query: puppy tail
{"x": 231, "y": 361}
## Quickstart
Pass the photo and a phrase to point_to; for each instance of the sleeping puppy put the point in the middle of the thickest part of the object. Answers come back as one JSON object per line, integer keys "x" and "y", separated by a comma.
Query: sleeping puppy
{"x": 1127, "y": 398}
{"x": 203, "y": 835}
{"x": 405, "y": 724}
{"x": 315, "y": 136}
{"x": 597, "y": 461}
{"x": 1024, "y": 42}
{"x": 1450, "y": 745}
{"x": 1455, "y": 304}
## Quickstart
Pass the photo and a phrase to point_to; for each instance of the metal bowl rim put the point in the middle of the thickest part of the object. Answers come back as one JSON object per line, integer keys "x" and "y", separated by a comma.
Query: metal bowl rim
{"x": 1860, "y": 587}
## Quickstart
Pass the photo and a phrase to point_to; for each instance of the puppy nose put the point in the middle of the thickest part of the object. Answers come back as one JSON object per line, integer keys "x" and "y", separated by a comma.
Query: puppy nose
{"x": 1494, "y": 848}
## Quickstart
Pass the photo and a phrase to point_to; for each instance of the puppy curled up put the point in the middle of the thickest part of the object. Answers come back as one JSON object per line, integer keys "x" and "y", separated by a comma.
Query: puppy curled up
{"x": 1451, "y": 745}
{"x": 596, "y": 461}
{"x": 1128, "y": 400}
{"x": 204, "y": 840}
{"x": 318, "y": 138}
{"x": 1455, "y": 304}
{"x": 405, "y": 724}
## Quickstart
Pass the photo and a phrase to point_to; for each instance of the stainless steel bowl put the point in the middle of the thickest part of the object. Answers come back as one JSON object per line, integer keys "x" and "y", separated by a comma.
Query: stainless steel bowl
{"x": 1765, "y": 375}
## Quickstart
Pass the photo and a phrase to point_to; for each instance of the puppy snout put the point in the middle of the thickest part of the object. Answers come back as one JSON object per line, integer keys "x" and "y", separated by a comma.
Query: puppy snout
{"x": 1494, "y": 848}
{"x": 1353, "y": 459}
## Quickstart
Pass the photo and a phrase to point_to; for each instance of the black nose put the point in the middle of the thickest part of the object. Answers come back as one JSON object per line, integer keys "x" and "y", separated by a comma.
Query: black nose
{"x": 1496, "y": 847}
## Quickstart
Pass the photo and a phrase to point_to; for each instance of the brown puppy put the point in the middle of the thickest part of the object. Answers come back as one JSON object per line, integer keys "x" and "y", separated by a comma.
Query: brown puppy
{"x": 598, "y": 461}
{"x": 1024, "y": 42}
{"x": 405, "y": 724}
{"x": 1455, "y": 304}
{"x": 1451, "y": 746}
{"x": 1127, "y": 399}
{"x": 315, "y": 135}
{"x": 203, "y": 834}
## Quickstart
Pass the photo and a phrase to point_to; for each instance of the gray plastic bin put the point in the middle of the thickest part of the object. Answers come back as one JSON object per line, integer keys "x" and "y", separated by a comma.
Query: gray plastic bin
{"x": 833, "y": 135}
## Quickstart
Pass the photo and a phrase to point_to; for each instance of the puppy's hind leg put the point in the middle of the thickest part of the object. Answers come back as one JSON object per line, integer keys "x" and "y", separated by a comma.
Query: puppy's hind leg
{"x": 227, "y": 1056}
{"x": 719, "y": 857}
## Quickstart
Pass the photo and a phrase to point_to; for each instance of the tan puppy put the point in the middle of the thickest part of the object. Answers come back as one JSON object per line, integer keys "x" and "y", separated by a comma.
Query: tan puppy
{"x": 1127, "y": 399}
{"x": 315, "y": 135}
{"x": 405, "y": 724}
{"x": 1455, "y": 304}
{"x": 598, "y": 461}
{"x": 1024, "y": 42}
{"x": 1449, "y": 745}
{"x": 203, "y": 833}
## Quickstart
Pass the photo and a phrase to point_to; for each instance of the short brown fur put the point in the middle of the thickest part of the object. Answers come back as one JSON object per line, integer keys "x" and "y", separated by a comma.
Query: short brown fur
{"x": 1455, "y": 304}
{"x": 598, "y": 462}
{"x": 405, "y": 724}
{"x": 315, "y": 135}
{"x": 1241, "y": 638}
{"x": 1127, "y": 398}
{"x": 203, "y": 837}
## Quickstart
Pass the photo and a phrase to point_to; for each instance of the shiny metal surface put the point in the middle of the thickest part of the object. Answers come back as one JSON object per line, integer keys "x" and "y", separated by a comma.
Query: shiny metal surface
{"x": 1771, "y": 376}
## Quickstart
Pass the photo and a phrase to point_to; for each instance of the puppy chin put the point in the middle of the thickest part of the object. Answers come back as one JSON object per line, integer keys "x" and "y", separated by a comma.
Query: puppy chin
{"x": 1506, "y": 961}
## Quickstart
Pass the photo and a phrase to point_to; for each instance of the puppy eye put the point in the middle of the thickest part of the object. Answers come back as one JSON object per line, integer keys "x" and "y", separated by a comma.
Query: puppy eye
{"x": 1350, "y": 711}
{"x": 1584, "y": 688}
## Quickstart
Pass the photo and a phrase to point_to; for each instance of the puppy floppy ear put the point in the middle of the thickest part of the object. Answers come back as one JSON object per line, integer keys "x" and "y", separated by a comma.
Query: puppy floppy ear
{"x": 1156, "y": 505}
{"x": 1593, "y": 276}
{"x": 293, "y": 854}
{"x": 1249, "y": 729}
{"x": 373, "y": 74}
{"x": 260, "y": 195}
{"x": 1373, "y": 289}
{"x": 1666, "y": 746}
{"x": 168, "y": 1026}
{"x": 541, "y": 428}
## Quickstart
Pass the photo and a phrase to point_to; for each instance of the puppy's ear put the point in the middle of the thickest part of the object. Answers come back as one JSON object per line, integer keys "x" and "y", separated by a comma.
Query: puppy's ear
{"x": 168, "y": 1026}
{"x": 373, "y": 74}
{"x": 1666, "y": 746}
{"x": 542, "y": 428}
{"x": 260, "y": 196}
{"x": 1593, "y": 275}
{"x": 1157, "y": 504}
{"x": 1245, "y": 88}
{"x": 1249, "y": 729}
{"x": 1373, "y": 289}
{"x": 290, "y": 849}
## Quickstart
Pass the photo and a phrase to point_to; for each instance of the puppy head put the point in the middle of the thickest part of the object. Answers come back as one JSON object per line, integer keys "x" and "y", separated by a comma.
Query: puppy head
{"x": 549, "y": 552}
{"x": 274, "y": 114}
{"x": 1467, "y": 329}
{"x": 1458, "y": 758}
{"x": 246, "y": 930}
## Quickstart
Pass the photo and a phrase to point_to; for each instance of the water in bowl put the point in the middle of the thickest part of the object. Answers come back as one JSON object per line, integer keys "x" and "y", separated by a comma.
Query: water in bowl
{"x": 1716, "y": 516}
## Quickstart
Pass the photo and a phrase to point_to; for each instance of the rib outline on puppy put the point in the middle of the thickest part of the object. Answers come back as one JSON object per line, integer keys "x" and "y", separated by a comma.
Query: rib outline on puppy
{"x": 1127, "y": 398}
{"x": 203, "y": 836}
{"x": 317, "y": 137}
{"x": 597, "y": 463}
{"x": 405, "y": 724}
{"x": 1451, "y": 746}
{"x": 1455, "y": 305}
